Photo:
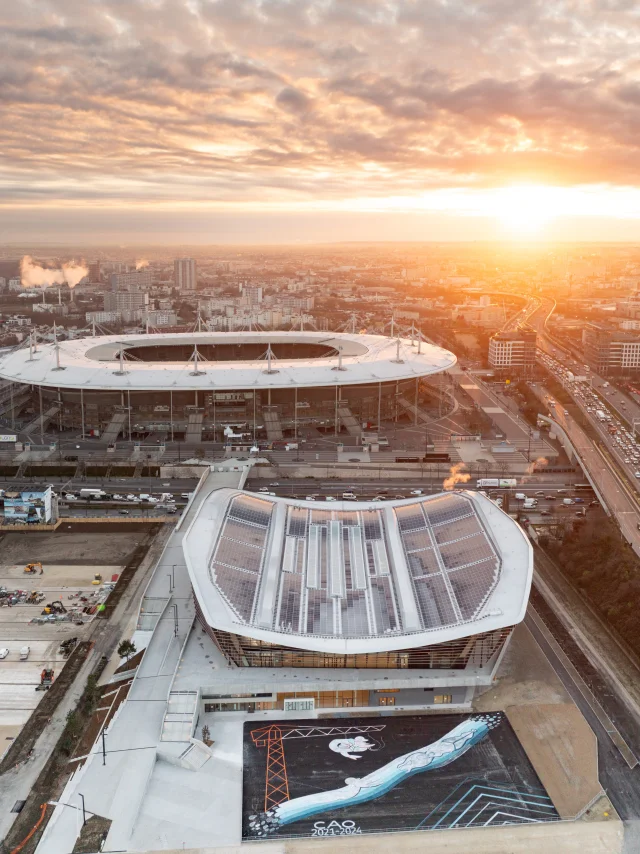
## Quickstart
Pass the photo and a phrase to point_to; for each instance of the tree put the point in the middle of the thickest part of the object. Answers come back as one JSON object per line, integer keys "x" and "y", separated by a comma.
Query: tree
{"x": 126, "y": 649}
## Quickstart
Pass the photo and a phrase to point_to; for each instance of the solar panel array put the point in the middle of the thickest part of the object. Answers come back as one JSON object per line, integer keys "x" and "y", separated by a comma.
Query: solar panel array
{"x": 336, "y": 575}
{"x": 453, "y": 564}
{"x": 342, "y": 581}
{"x": 239, "y": 554}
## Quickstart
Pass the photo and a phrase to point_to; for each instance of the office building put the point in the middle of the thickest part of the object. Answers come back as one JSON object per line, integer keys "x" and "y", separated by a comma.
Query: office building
{"x": 610, "y": 350}
{"x": 513, "y": 352}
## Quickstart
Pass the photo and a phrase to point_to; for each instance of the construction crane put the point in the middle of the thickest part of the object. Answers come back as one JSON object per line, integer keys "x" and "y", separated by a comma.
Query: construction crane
{"x": 32, "y": 568}
{"x": 272, "y": 737}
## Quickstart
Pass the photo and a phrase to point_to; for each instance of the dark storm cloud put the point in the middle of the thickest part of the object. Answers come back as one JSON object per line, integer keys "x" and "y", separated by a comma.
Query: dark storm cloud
{"x": 206, "y": 99}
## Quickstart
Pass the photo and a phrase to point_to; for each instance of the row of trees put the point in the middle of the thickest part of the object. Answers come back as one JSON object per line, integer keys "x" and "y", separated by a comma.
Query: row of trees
{"x": 604, "y": 568}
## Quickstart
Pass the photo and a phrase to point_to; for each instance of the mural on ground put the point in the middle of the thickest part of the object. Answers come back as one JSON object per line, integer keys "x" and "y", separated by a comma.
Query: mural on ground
{"x": 414, "y": 773}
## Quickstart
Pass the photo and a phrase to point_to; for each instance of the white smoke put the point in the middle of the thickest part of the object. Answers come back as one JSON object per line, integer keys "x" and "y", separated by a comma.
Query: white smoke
{"x": 34, "y": 275}
{"x": 141, "y": 263}
{"x": 535, "y": 465}
{"x": 456, "y": 475}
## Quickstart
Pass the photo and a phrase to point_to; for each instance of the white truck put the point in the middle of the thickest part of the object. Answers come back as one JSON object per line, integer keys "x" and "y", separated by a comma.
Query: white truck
{"x": 520, "y": 496}
{"x": 92, "y": 493}
{"x": 24, "y": 653}
{"x": 530, "y": 503}
{"x": 600, "y": 415}
{"x": 568, "y": 501}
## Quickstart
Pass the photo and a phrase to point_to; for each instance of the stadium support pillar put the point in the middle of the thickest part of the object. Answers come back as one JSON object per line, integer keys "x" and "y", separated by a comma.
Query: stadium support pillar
{"x": 41, "y": 416}
{"x": 171, "y": 411}
{"x": 335, "y": 417}
{"x": 129, "y": 411}
{"x": 254, "y": 416}
{"x": 416, "y": 412}
{"x": 379, "y": 404}
{"x": 82, "y": 411}
{"x": 295, "y": 414}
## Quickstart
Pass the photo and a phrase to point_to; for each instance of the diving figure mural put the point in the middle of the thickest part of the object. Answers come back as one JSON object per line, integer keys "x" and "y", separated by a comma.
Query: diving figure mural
{"x": 357, "y": 790}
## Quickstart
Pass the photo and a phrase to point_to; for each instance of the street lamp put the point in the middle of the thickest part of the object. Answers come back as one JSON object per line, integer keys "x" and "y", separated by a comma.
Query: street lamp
{"x": 84, "y": 814}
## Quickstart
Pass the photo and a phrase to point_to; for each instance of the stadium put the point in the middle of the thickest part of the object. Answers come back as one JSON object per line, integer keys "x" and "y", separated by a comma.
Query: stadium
{"x": 425, "y": 591}
{"x": 194, "y": 385}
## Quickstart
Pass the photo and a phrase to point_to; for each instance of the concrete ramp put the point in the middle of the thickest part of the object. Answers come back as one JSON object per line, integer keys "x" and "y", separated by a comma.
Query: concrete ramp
{"x": 417, "y": 415}
{"x": 272, "y": 423}
{"x": 41, "y": 422}
{"x": 194, "y": 428}
{"x": 114, "y": 427}
{"x": 348, "y": 420}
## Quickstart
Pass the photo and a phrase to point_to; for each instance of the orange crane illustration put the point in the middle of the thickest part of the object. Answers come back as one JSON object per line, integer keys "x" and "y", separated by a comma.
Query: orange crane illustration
{"x": 272, "y": 737}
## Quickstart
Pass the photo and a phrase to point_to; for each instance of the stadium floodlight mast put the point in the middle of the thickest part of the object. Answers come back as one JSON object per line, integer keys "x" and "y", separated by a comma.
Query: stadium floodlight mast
{"x": 56, "y": 345}
{"x": 195, "y": 356}
{"x": 270, "y": 355}
{"x": 398, "y": 360}
{"x": 339, "y": 366}
{"x": 121, "y": 372}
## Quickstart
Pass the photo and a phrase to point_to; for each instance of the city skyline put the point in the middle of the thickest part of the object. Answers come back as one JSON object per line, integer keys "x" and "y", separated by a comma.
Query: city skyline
{"x": 307, "y": 122}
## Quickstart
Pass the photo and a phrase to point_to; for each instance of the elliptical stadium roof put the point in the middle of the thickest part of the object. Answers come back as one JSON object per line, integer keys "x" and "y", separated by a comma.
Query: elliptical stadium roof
{"x": 94, "y": 362}
{"x": 356, "y": 577}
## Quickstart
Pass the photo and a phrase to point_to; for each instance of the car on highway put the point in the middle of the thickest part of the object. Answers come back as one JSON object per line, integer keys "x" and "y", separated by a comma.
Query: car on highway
{"x": 71, "y": 497}
{"x": 275, "y": 483}
{"x": 124, "y": 512}
{"x": 330, "y": 498}
{"x": 416, "y": 492}
{"x": 545, "y": 512}
{"x": 310, "y": 498}
{"x": 264, "y": 489}
{"x": 540, "y": 493}
{"x": 187, "y": 495}
{"x": 4, "y": 652}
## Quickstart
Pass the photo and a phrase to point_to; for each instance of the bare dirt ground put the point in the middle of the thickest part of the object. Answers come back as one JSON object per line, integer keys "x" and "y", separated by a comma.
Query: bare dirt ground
{"x": 55, "y": 576}
{"x": 71, "y": 545}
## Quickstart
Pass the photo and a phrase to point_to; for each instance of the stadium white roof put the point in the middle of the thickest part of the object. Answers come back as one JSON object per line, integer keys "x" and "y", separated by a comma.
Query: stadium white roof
{"x": 94, "y": 362}
{"x": 354, "y": 577}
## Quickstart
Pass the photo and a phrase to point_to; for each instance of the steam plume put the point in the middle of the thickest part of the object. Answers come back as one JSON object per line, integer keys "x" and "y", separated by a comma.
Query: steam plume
{"x": 534, "y": 465}
{"x": 33, "y": 275}
{"x": 141, "y": 263}
{"x": 456, "y": 475}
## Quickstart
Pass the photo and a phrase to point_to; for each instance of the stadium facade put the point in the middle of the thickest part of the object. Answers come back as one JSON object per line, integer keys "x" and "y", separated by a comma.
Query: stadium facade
{"x": 397, "y": 603}
{"x": 189, "y": 385}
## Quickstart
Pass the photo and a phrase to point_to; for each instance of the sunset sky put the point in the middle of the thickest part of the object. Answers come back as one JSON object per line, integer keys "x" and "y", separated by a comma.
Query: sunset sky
{"x": 301, "y": 120}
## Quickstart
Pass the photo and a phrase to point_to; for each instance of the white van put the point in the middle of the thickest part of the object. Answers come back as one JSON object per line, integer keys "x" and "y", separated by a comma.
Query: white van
{"x": 24, "y": 653}
{"x": 349, "y": 496}
{"x": 520, "y": 496}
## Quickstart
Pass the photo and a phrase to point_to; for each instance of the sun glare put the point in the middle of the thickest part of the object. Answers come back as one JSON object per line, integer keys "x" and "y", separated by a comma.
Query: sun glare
{"x": 524, "y": 210}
